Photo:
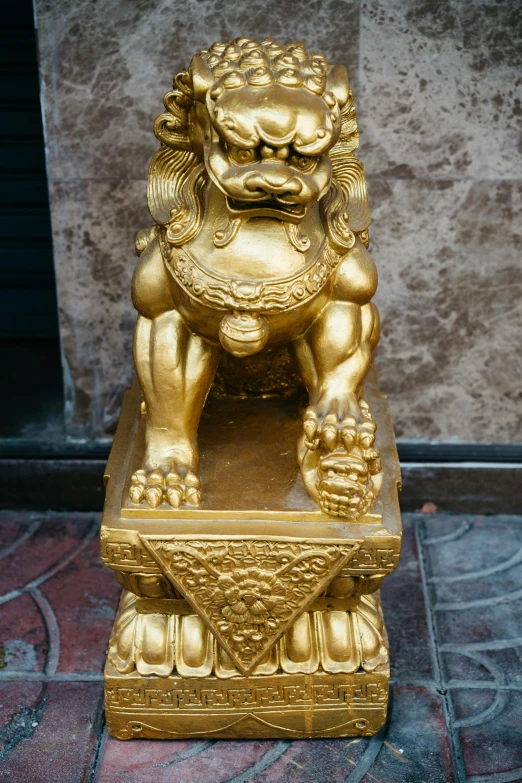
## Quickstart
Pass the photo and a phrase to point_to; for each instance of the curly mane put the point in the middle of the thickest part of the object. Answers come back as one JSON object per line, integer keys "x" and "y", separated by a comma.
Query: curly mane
{"x": 176, "y": 175}
{"x": 346, "y": 207}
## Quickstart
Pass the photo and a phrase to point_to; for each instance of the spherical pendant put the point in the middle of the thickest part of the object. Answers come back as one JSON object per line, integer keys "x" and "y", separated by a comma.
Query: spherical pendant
{"x": 243, "y": 334}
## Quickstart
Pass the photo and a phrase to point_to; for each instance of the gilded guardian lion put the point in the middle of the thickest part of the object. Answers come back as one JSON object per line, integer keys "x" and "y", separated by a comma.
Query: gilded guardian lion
{"x": 260, "y": 239}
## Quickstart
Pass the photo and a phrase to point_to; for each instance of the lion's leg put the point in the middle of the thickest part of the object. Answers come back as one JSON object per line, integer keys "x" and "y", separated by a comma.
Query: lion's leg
{"x": 336, "y": 455}
{"x": 335, "y": 355}
{"x": 175, "y": 368}
{"x": 339, "y": 465}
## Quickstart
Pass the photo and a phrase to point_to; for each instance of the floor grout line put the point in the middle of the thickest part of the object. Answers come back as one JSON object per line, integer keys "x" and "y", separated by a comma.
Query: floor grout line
{"x": 16, "y": 676}
{"x": 20, "y": 676}
{"x": 99, "y": 750}
{"x": 457, "y": 760}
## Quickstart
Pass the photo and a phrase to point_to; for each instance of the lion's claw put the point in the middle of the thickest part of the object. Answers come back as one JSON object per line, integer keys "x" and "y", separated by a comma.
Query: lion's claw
{"x": 156, "y": 488}
{"x": 192, "y": 493}
{"x": 193, "y": 497}
{"x": 310, "y": 425}
{"x": 349, "y": 432}
{"x": 154, "y": 496}
{"x": 137, "y": 488}
{"x": 329, "y": 431}
{"x": 174, "y": 497}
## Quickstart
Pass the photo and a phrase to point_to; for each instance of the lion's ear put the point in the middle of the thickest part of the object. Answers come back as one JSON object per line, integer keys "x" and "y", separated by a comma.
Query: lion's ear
{"x": 202, "y": 79}
{"x": 338, "y": 83}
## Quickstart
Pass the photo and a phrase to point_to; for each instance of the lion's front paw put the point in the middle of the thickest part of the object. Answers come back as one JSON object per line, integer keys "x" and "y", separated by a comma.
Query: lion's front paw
{"x": 157, "y": 486}
{"x": 340, "y": 464}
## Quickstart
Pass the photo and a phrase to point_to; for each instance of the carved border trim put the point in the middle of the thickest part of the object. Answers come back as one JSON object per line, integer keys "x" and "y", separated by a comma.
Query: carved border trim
{"x": 268, "y": 297}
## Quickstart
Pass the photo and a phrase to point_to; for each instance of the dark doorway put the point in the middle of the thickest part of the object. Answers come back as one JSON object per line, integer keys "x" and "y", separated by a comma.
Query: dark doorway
{"x": 31, "y": 389}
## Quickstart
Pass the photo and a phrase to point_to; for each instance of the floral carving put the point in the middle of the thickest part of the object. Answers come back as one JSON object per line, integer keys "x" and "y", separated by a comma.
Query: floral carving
{"x": 246, "y": 605}
{"x": 249, "y": 596}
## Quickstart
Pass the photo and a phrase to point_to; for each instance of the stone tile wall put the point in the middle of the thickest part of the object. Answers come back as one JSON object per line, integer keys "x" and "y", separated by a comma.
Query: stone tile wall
{"x": 437, "y": 87}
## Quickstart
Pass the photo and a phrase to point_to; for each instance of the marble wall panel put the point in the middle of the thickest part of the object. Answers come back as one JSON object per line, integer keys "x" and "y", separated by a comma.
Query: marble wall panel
{"x": 94, "y": 227}
{"x": 439, "y": 113}
{"x": 450, "y": 298}
{"x": 436, "y": 88}
{"x": 440, "y": 91}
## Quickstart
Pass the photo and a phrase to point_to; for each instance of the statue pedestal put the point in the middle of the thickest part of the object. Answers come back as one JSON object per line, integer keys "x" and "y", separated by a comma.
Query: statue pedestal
{"x": 253, "y": 615}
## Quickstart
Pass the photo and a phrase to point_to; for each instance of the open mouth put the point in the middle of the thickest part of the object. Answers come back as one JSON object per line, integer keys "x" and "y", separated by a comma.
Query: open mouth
{"x": 291, "y": 213}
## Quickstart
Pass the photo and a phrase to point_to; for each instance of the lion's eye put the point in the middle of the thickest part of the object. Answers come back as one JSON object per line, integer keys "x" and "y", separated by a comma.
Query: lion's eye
{"x": 302, "y": 162}
{"x": 242, "y": 156}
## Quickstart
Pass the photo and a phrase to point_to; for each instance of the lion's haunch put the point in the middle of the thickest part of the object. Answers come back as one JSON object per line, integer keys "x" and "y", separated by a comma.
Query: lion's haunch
{"x": 356, "y": 279}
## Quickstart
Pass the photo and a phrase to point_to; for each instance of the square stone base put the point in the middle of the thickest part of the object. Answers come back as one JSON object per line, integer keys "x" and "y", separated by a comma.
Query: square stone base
{"x": 172, "y": 671}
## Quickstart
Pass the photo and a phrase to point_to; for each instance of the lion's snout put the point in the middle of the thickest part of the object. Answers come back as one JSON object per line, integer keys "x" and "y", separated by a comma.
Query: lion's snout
{"x": 274, "y": 183}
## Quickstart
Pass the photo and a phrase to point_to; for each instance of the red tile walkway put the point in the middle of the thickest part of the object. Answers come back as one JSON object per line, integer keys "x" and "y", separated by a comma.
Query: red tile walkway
{"x": 454, "y": 617}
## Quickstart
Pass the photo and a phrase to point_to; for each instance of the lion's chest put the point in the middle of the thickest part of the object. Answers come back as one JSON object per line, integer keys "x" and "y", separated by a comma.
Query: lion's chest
{"x": 261, "y": 251}
{"x": 259, "y": 271}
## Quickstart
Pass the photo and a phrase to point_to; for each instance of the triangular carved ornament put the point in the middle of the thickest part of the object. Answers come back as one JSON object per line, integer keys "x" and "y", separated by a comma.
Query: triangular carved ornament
{"x": 248, "y": 591}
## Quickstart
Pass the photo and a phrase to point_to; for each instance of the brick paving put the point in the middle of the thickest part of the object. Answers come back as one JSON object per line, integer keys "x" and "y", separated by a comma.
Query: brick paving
{"x": 454, "y": 615}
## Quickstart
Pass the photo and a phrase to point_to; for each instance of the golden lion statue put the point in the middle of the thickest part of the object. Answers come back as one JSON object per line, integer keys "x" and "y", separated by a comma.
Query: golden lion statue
{"x": 261, "y": 237}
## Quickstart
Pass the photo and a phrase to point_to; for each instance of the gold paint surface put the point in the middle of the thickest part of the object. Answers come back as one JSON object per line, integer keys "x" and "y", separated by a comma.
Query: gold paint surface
{"x": 251, "y": 534}
{"x": 259, "y": 482}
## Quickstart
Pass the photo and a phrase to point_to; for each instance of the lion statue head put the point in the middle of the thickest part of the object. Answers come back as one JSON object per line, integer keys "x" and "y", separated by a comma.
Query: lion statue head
{"x": 273, "y": 127}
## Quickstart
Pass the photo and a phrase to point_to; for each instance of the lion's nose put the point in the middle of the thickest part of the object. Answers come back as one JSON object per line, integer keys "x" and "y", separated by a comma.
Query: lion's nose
{"x": 293, "y": 186}
{"x": 274, "y": 183}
